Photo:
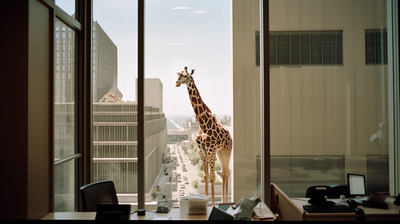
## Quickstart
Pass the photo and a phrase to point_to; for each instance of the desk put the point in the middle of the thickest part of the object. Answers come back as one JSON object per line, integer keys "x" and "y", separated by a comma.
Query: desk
{"x": 174, "y": 214}
{"x": 291, "y": 209}
{"x": 371, "y": 214}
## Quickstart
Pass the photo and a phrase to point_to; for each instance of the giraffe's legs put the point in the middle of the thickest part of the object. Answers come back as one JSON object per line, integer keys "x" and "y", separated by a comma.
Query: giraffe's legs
{"x": 224, "y": 158}
{"x": 225, "y": 178}
{"x": 205, "y": 170}
{"x": 212, "y": 180}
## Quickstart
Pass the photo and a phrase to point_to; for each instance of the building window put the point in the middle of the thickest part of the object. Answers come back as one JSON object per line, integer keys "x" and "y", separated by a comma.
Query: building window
{"x": 305, "y": 48}
{"x": 376, "y": 47}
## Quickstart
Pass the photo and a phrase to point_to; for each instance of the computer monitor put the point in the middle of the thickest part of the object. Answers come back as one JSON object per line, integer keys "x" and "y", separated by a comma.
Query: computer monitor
{"x": 356, "y": 184}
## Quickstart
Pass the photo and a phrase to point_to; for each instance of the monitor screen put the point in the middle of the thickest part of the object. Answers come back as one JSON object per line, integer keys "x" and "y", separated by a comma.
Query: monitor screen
{"x": 356, "y": 184}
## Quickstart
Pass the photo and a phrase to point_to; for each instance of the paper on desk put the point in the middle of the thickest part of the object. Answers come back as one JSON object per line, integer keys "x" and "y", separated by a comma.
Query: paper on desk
{"x": 159, "y": 218}
{"x": 232, "y": 211}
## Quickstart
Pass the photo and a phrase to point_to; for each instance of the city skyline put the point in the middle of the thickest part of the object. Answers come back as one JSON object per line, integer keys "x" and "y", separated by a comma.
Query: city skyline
{"x": 196, "y": 34}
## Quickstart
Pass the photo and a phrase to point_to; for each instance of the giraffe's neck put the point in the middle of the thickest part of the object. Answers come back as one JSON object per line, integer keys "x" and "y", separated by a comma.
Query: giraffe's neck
{"x": 202, "y": 112}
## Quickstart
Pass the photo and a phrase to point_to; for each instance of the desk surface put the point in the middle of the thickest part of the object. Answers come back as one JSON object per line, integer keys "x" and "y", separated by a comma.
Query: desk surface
{"x": 392, "y": 213}
{"x": 174, "y": 214}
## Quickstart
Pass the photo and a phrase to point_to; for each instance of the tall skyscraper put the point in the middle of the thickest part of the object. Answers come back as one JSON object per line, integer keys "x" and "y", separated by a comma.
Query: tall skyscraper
{"x": 105, "y": 64}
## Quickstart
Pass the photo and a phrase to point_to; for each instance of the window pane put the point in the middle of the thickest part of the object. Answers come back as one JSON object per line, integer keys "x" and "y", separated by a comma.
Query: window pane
{"x": 295, "y": 49}
{"x": 305, "y": 48}
{"x": 64, "y": 187}
{"x": 327, "y": 121}
{"x": 197, "y": 35}
{"x": 64, "y": 87}
{"x": 327, "y": 48}
{"x": 64, "y": 115}
{"x": 370, "y": 51}
{"x": 337, "y": 48}
{"x": 115, "y": 109}
{"x": 283, "y": 49}
{"x": 316, "y": 48}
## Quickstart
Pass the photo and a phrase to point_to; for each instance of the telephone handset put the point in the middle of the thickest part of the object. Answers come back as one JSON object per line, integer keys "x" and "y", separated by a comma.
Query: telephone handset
{"x": 246, "y": 208}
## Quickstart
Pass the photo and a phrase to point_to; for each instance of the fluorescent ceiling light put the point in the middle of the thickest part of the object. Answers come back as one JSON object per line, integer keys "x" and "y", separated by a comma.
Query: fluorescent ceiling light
{"x": 200, "y": 11}
{"x": 180, "y": 7}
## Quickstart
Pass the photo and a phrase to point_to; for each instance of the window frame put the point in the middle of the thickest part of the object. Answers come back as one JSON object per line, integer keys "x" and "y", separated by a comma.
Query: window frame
{"x": 81, "y": 25}
{"x": 84, "y": 96}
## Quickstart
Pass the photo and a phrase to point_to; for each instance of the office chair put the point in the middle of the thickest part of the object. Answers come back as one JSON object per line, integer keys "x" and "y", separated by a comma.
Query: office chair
{"x": 102, "y": 192}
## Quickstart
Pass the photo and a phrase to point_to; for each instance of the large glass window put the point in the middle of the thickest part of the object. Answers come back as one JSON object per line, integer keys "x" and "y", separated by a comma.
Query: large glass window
{"x": 196, "y": 35}
{"x": 115, "y": 107}
{"x": 64, "y": 117}
{"x": 329, "y": 110}
{"x": 327, "y": 121}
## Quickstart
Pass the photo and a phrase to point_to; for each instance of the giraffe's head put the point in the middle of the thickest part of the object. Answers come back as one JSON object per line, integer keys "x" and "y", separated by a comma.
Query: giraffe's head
{"x": 184, "y": 77}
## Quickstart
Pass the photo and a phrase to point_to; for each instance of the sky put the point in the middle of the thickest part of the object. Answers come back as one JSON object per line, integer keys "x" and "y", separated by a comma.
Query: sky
{"x": 178, "y": 33}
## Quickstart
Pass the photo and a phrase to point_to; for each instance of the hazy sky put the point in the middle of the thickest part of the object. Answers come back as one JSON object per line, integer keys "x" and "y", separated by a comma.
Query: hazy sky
{"x": 178, "y": 33}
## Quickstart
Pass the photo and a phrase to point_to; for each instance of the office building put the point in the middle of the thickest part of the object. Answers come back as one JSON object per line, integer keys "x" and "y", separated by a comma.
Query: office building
{"x": 105, "y": 64}
{"x": 115, "y": 146}
{"x": 104, "y": 58}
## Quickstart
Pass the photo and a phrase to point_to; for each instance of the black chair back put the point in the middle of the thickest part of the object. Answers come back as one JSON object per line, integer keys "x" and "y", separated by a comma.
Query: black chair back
{"x": 102, "y": 192}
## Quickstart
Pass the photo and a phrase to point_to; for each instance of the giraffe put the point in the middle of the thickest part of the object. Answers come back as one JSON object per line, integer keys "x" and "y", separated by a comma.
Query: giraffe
{"x": 212, "y": 138}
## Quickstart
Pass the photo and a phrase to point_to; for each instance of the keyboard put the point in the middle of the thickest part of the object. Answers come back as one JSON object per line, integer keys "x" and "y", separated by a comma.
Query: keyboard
{"x": 327, "y": 208}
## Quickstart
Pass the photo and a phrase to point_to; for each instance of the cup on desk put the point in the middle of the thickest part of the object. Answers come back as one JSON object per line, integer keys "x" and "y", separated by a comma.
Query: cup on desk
{"x": 342, "y": 197}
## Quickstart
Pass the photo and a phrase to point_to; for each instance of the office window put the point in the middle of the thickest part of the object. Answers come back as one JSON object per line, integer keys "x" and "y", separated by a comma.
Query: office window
{"x": 376, "y": 47}
{"x": 176, "y": 36}
{"x": 114, "y": 103}
{"x": 317, "y": 115}
{"x": 327, "y": 121}
{"x": 295, "y": 173}
{"x": 195, "y": 35}
{"x": 64, "y": 124}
